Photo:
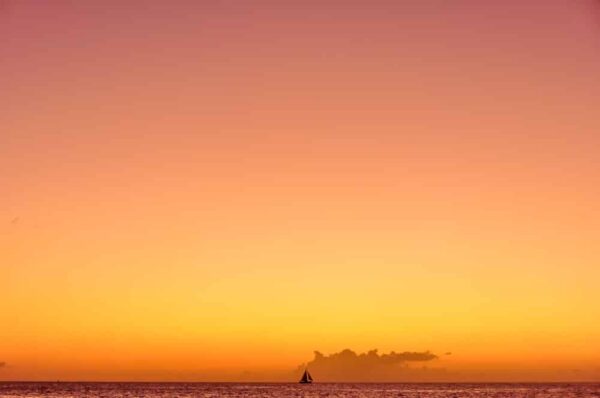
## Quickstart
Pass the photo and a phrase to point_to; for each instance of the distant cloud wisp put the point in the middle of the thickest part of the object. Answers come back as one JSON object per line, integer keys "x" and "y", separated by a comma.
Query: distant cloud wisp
{"x": 347, "y": 365}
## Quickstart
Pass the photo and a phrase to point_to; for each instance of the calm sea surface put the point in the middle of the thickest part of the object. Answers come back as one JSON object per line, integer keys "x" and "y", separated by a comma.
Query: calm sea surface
{"x": 112, "y": 390}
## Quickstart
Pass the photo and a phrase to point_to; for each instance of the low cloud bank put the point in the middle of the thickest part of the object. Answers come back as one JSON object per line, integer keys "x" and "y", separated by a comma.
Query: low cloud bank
{"x": 347, "y": 365}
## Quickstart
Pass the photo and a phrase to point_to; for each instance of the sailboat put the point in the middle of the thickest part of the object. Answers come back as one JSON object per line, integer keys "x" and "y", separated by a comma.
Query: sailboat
{"x": 306, "y": 378}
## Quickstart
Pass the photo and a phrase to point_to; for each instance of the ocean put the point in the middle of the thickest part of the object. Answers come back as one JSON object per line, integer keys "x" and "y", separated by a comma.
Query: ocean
{"x": 268, "y": 390}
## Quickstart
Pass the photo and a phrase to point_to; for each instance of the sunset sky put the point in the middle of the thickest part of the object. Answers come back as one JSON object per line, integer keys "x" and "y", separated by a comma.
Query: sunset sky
{"x": 190, "y": 190}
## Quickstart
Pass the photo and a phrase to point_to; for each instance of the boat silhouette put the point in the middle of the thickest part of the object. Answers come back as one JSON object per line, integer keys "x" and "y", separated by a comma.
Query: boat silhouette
{"x": 306, "y": 378}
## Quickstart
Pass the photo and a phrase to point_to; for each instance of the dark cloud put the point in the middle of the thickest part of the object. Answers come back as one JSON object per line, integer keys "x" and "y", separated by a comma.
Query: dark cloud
{"x": 347, "y": 365}
{"x": 2, "y": 364}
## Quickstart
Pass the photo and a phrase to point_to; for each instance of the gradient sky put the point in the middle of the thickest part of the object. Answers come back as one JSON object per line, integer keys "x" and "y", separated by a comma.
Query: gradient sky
{"x": 191, "y": 189}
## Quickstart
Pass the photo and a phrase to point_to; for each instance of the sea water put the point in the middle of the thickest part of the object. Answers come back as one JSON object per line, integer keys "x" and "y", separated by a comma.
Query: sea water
{"x": 267, "y": 390}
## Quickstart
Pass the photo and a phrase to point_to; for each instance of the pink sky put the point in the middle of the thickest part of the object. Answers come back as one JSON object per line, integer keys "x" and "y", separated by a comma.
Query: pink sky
{"x": 231, "y": 185}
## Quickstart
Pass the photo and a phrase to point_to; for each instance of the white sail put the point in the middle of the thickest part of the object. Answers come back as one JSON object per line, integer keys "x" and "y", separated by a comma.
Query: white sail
{"x": 306, "y": 377}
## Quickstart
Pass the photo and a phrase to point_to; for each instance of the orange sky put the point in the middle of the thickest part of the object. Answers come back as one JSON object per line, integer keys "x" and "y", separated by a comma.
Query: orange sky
{"x": 191, "y": 189}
